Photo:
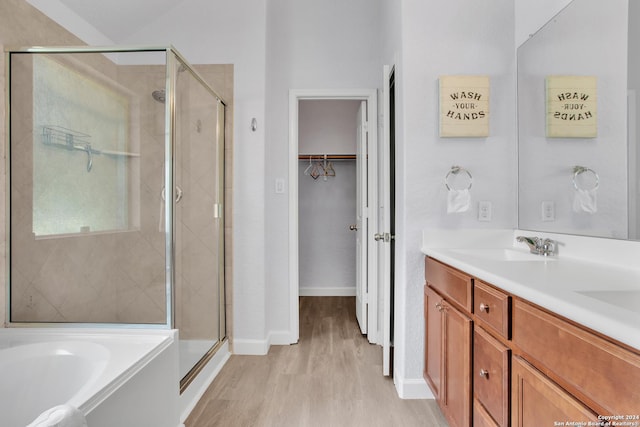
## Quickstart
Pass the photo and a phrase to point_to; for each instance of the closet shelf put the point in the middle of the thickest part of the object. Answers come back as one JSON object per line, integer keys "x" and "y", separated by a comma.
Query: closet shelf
{"x": 326, "y": 156}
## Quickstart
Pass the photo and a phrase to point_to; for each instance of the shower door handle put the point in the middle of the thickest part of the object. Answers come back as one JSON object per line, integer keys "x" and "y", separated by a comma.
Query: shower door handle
{"x": 178, "y": 193}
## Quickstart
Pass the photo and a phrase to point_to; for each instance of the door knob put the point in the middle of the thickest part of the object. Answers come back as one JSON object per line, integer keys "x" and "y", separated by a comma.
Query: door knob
{"x": 385, "y": 237}
{"x": 353, "y": 227}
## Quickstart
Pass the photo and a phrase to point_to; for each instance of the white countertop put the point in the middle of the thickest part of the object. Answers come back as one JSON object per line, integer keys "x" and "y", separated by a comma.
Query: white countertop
{"x": 556, "y": 283}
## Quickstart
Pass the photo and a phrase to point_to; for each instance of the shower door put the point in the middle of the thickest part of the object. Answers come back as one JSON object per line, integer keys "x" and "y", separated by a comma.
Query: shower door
{"x": 198, "y": 220}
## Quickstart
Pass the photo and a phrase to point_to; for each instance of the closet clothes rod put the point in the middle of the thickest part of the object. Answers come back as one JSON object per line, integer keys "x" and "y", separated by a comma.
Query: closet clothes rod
{"x": 327, "y": 156}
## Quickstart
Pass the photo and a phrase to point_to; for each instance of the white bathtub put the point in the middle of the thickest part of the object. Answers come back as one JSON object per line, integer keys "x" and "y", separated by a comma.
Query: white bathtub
{"x": 114, "y": 377}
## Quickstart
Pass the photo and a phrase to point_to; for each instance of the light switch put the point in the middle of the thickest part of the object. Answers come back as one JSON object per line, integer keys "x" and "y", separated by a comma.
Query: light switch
{"x": 279, "y": 185}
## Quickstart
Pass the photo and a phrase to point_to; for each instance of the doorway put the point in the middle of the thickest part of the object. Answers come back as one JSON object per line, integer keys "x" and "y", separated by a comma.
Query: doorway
{"x": 370, "y": 296}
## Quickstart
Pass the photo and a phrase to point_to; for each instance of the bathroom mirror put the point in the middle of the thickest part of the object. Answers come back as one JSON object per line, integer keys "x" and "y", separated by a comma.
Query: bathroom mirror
{"x": 581, "y": 185}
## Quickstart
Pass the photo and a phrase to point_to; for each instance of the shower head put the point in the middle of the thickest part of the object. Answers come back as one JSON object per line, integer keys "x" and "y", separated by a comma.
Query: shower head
{"x": 159, "y": 95}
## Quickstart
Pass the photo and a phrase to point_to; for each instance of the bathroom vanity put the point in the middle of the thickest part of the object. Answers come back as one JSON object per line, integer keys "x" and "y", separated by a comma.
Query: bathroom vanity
{"x": 513, "y": 338}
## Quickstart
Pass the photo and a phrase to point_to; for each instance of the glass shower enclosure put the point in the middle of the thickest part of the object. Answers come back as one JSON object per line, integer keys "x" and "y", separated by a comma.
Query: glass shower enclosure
{"x": 116, "y": 194}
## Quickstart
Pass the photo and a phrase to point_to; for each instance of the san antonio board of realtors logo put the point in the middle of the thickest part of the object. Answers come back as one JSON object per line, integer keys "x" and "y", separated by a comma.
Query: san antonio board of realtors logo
{"x": 464, "y": 106}
{"x": 572, "y": 107}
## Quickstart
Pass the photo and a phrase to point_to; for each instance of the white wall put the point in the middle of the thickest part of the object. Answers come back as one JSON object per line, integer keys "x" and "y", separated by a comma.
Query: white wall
{"x": 327, "y": 126}
{"x": 634, "y": 118}
{"x": 463, "y": 37}
{"x": 310, "y": 45}
{"x": 327, "y": 248}
{"x": 530, "y": 15}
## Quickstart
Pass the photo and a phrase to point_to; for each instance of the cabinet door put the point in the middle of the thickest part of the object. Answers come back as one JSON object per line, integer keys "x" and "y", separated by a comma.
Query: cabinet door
{"x": 481, "y": 417}
{"x": 456, "y": 392}
{"x": 538, "y": 401}
{"x": 433, "y": 340}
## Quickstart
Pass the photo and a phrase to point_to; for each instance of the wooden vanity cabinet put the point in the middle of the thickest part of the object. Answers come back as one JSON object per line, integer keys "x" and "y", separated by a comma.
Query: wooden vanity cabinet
{"x": 524, "y": 365}
{"x": 538, "y": 401}
{"x": 598, "y": 372}
{"x": 448, "y": 341}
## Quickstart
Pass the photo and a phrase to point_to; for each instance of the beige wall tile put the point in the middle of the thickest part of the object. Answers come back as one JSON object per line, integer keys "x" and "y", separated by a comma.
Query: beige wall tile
{"x": 58, "y": 279}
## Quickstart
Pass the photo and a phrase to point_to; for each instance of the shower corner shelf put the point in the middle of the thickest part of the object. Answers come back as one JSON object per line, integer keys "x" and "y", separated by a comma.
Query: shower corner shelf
{"x": 68, "y": 139}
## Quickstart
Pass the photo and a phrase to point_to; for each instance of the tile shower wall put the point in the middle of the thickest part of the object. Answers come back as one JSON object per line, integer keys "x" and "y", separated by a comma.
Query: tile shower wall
{"x": 20, "y": 25}
{"x": 111, "y": 277}
{"x": 133, "y": 292}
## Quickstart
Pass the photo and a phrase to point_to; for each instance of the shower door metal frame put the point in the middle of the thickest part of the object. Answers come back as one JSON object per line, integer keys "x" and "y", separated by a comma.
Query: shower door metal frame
{"x": 171, "y": 66}
{"x": 222, "y": 331}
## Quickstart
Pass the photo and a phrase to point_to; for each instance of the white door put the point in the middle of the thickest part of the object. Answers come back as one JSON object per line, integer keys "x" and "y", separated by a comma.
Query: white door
{"x": 361, "y": 219}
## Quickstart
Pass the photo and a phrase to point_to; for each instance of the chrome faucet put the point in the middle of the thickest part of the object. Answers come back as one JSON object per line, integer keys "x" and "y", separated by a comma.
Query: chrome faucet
{"x": 538, "y": 246}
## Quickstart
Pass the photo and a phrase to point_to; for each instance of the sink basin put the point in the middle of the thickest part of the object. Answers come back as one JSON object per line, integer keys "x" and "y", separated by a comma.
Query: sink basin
{"x": 628, "y": 299}
{"x": 503, "y": 254}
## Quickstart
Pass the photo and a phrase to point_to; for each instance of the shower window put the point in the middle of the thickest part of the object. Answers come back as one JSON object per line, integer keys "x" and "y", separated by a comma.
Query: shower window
{"x": 84, "y": 152}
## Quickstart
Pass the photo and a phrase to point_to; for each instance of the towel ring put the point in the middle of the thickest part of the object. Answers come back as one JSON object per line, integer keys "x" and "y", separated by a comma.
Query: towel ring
{"x": 578, "y": 170}
{"x": 455, "y": 170}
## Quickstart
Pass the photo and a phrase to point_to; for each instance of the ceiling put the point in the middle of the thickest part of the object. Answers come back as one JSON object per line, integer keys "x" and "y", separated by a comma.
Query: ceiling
{"x": 119, "y": 19}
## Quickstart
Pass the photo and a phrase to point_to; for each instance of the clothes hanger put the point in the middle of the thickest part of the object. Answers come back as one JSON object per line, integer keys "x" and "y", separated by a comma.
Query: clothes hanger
{"x": 308, "y": 169}
{"x": 329, "y": 170}
{"x": 315, "y": 171}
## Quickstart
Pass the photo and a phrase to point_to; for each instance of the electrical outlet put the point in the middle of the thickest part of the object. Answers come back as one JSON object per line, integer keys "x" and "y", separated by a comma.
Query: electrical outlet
{"x": 484, "y": 211}
{"x": 548, "y": 210}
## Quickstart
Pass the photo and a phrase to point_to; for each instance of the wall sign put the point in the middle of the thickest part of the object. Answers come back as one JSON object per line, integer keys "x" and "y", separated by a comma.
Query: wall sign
{"x": 572, "y": 107}
{"x": 464, "y": 106}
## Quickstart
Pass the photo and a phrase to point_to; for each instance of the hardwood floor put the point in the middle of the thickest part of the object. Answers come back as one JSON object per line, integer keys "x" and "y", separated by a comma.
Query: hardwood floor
{"x": 332, "y": 377}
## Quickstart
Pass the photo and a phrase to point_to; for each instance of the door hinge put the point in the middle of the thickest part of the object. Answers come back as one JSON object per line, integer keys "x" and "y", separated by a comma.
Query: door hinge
{"x": 365, "y": 126}
{"x": 217, "y": 210}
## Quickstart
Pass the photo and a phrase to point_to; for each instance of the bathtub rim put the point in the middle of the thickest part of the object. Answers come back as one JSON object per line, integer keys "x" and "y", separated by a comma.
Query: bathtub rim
{"x": 94, "y": 397}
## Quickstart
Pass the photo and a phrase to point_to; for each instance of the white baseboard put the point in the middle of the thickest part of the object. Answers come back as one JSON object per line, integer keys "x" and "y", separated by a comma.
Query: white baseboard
{"x": 409, "y": 388}
{"x": 250, "y": 347}
{"x": 279, "y": 338}
{"x": 328, "y": 292}
{"x": 261, "y": 347}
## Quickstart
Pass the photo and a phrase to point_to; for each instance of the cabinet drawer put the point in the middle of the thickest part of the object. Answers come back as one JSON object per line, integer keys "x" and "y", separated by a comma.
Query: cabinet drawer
{"x": 492, "y": 307}
{"x": 491, "y": 375}
{"x": 598, "y": 372}
{"x": 449, "y": 282}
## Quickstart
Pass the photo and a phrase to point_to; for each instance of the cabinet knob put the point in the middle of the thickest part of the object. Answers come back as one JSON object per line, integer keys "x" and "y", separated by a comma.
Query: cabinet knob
{"x": 439, "y": 306}
{"x": 484, "y": 307}
{"x": 484, "y": 373}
